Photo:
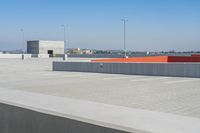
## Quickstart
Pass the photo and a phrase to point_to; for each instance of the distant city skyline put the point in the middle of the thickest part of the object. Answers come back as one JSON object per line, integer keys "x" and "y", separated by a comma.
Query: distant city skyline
{"x": 154, "y": 25}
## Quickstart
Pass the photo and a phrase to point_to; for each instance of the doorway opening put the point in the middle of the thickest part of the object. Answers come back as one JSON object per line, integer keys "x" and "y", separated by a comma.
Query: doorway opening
{"x": 50, "y": 52}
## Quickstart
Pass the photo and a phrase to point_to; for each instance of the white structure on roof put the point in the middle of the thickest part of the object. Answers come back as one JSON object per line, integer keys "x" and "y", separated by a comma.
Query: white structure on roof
{"x": 45, "y": 47}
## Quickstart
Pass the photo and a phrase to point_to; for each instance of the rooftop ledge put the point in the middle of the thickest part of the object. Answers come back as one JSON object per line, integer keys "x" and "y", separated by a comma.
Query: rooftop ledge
{"x": 110, "y": 116}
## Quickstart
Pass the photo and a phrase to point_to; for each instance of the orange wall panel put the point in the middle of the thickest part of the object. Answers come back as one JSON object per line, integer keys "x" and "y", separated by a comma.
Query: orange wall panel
{"x": 153, "y": 59}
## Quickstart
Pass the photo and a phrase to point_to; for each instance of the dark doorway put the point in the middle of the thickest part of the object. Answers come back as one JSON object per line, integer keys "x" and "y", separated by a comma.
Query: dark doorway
{"x": 50, "y": 52}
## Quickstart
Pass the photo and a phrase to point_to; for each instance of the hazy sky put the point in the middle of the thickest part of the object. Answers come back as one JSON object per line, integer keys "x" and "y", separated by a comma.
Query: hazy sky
{"x": 153, "y": 24}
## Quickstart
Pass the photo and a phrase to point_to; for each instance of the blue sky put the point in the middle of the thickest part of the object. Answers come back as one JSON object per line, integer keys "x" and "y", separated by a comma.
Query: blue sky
{"x": 153, "y": 25}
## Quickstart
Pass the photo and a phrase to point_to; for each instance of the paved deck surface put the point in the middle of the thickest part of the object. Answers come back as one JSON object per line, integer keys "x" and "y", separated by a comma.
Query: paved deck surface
{"x": 126, "y": 102}
{"x": 173, "y": 95}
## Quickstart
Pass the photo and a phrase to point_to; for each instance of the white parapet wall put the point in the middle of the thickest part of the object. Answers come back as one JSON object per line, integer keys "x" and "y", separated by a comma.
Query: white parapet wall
{"x": 40, "y": 55}
{"x": 27, "y": 56}
{"x": 14, "y": 56}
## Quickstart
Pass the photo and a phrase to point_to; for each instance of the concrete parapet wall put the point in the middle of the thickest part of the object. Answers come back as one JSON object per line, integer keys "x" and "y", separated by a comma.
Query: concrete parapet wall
{"x": 19, "y": 120}
{"x": 151, "y": 69}
{"x": 28, "y": 112}
{"x": 14, "y": 56}
{"x": 121, "y": 55}
{"x": 40, "y": 55}
{"x": 95, "y": 55}
{"x": 27, "y": 56}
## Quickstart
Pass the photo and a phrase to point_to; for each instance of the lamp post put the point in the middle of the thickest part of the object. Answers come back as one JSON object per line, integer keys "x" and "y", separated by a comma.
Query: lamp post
{"x": 22, "y": 31}
{"x": 65, "y": 47}
{"x": 64, "y": 35}
{"x": 124, "y": 22}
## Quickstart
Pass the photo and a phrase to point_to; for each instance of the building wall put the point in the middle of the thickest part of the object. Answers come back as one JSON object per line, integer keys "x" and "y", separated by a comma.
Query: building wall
{"x": 42, "y": 47}
{"x": 33, "y": 47}
{"x": 56, "y": 46}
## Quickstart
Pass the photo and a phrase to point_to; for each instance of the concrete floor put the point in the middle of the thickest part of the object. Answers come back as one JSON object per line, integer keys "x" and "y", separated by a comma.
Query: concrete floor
{"x": 162, "y": 94}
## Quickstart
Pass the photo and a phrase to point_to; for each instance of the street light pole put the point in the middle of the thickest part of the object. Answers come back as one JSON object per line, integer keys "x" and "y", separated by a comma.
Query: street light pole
{"x": 124, "y": 21}
{"x": 65, "y": 42}
{"x": 64, "y": 32}
{"x": 22, "y": 31}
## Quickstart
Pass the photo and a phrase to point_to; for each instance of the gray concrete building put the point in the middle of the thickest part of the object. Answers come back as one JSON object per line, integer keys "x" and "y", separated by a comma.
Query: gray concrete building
{"x": 45, "y": 47}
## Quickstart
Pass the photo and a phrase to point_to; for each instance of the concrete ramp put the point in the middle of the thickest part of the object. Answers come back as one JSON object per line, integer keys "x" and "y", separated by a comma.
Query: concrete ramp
{"x": 26, "y": 112}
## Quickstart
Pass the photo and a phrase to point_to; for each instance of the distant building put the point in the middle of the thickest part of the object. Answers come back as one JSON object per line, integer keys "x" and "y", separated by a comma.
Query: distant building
{"x": 81, "y": 51}
{"x": 76, "y": 51}
{"x": 87, "y": 51}
{"x": 45, "y": 47}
